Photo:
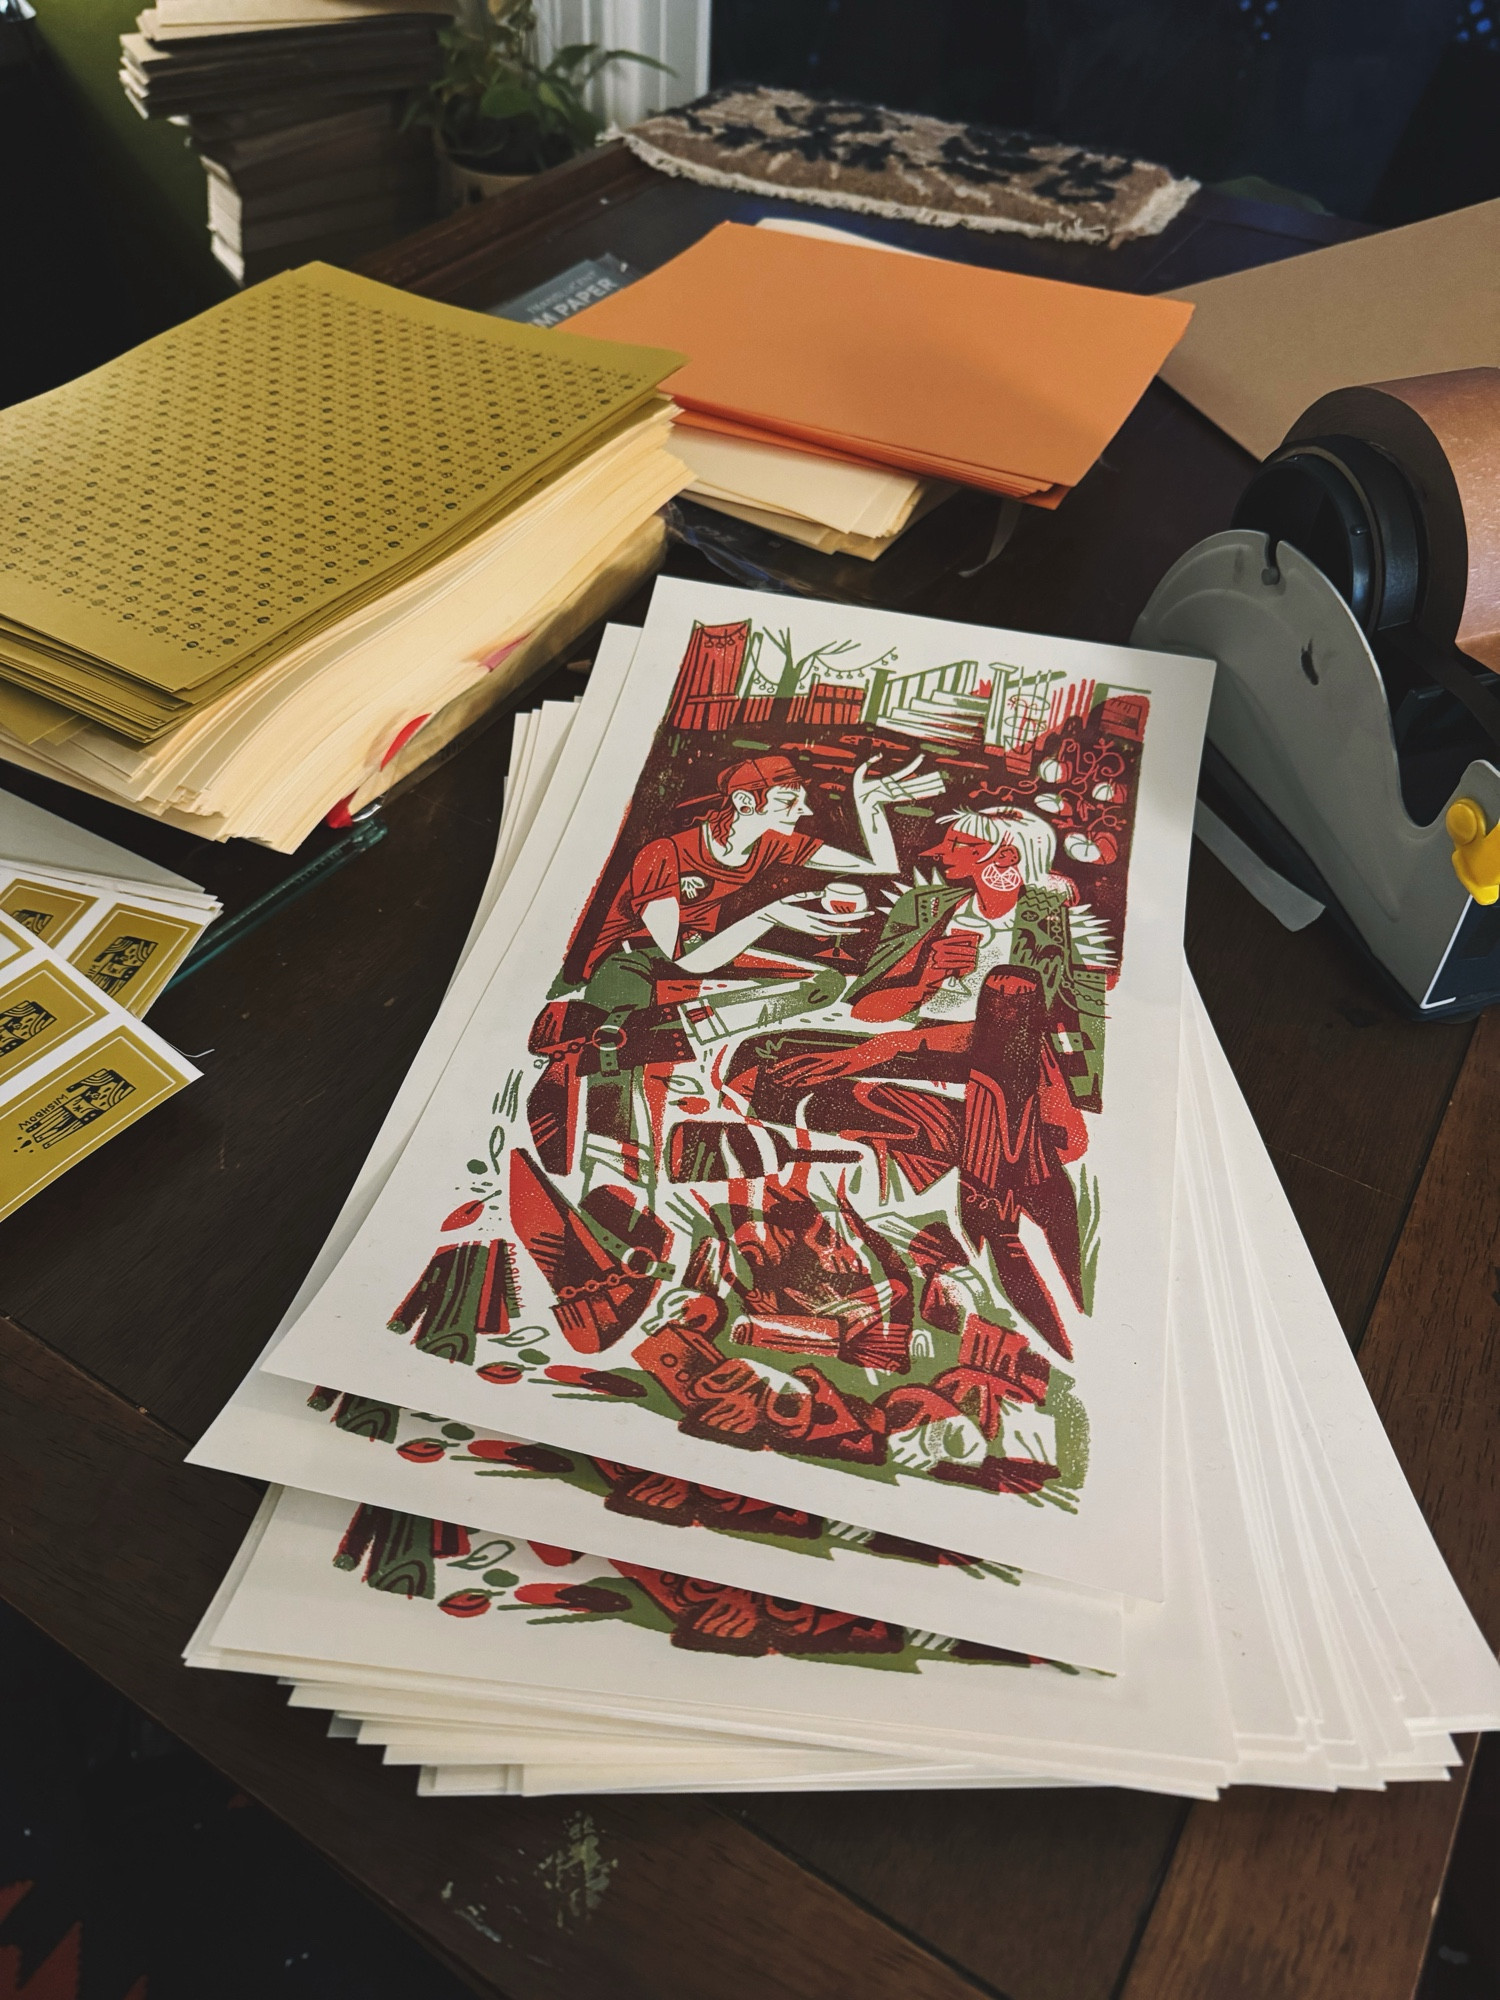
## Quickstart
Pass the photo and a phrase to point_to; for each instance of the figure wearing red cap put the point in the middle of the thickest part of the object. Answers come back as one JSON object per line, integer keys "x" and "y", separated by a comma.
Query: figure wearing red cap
{"x": 673, "y": 898}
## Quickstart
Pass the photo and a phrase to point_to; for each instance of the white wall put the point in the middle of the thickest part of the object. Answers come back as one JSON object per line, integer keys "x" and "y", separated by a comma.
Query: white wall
{"x": 674, "y": 31}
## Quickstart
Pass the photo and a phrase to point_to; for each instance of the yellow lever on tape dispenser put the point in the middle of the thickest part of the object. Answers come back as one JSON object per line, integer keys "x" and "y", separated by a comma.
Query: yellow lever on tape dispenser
{"x": 1476, "y": 852}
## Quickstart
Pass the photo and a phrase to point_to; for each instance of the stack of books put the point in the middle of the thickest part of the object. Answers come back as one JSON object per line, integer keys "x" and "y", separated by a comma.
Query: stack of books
{"x": 836, "y": 390}
{"x": 331, "y": 189}
{"x": 229, "y": 67}
{"x": 819, "y": 1313}
{"x": 259, "y": 567}
{"x": 297, "y": 122}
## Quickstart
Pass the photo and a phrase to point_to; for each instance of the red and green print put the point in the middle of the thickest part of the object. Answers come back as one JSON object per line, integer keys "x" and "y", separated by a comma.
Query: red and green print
{"x": 801, "y": 1165}
{"x": 467, "y": 1573}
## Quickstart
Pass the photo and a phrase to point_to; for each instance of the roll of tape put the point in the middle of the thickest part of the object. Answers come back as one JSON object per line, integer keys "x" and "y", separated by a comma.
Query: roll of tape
{"x": 1443, "y": 431}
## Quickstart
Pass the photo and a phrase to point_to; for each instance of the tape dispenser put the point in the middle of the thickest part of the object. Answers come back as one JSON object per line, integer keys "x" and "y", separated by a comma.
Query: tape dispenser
{"x": 1353, "y": 609}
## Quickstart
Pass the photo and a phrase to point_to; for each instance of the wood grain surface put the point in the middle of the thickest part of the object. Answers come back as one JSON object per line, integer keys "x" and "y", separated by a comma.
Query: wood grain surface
{"x": 113, "y": 1547}
{"x": 144, "y": 1283}
{"x": 1431, "y": 1354}
{"x": 1275, "y": 1896}
{"x": 1347, "y": 1093}
{"x": 1349, "y": 1096}
{"x": 1040, "y": 1894}
{"x": 163, "y": 1262}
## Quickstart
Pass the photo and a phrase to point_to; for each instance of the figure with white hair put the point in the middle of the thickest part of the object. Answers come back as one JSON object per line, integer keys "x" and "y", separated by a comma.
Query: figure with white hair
{"x": 996, "y": 976}
{"x": 993, "y": 901}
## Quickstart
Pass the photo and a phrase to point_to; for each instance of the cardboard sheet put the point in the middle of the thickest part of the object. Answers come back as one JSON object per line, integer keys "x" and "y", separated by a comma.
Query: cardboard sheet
{"x": 1263, "y": 344}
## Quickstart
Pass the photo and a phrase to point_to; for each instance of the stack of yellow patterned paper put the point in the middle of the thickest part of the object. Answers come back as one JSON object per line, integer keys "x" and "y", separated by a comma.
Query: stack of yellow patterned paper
{"x": 245, "y": 561}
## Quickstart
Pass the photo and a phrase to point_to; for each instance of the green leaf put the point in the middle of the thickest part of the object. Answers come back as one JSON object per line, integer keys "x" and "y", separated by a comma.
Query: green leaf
{"x": 632, "y": 55}
{"x": 460, "y": 1433}
{"x": 539, "y": 1355}
{"x": 502, "y": 101}
{"x": 479, "y": 1166}
{"x": 502, "y": 1579}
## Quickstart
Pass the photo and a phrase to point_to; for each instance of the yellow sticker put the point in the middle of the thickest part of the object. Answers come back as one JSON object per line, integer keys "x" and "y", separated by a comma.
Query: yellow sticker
{"x": 133, "y": 952}
{"x": 43, "y": 908}
{"x": 15, "y": 942}
{"x": 38, "y": 1013}
{"x": 71, "y": 1112}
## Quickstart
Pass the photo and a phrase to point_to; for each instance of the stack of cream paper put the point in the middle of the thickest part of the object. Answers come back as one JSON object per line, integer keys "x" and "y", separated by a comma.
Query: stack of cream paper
{"x": 826, "y": 503}
{"x": 176, "y": 66}
{"x": 196, "y": 16}
{"x": 261, "y": 564}
{"x": 818, "y": 1312}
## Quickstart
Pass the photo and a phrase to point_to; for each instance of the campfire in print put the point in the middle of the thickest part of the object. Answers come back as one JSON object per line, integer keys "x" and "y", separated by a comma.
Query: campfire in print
{"x": 468, "y": 1573}
{"x": 802, "y": 1163}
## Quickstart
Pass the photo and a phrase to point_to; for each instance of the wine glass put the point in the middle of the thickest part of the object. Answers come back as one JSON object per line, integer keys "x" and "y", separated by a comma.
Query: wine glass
{"x": 843, "y": 899}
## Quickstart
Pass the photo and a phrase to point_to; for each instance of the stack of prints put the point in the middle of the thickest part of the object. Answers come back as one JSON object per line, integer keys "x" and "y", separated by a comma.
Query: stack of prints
{"x": 819, "y": 1312}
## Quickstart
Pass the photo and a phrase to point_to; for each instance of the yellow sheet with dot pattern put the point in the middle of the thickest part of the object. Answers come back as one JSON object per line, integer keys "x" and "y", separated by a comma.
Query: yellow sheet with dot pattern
{"x": 210, "y": 500}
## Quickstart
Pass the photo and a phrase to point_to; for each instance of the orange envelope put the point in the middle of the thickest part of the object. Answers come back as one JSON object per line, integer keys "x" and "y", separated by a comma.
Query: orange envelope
{"x": 939, "y": 368}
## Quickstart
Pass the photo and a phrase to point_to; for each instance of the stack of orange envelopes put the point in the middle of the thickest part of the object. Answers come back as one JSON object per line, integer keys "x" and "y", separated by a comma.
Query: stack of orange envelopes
{"x": 943, "y": 370}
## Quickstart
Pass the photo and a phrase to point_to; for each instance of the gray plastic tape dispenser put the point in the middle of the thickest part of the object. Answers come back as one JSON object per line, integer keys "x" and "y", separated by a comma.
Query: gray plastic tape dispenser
{"x": 1354, "y": 612}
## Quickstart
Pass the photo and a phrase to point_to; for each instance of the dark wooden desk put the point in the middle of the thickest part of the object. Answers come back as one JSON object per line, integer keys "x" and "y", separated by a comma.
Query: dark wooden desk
{"x": 140, "y": 1287}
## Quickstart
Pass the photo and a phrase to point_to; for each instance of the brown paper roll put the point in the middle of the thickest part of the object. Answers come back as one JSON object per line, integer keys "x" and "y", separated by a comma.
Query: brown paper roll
{"x": 1444, "y": 433}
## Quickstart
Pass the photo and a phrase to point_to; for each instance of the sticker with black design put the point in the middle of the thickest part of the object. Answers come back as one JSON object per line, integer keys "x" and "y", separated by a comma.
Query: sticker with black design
{"x": 38, "y": 1012}
{"x": 76, "y": 1107}
{"x": 133, "y": 952}
{"x": 45, "y": 909}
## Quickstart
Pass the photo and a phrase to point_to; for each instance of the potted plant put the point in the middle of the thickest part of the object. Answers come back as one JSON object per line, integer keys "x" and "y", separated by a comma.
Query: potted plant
{"x": 497, "y": 114}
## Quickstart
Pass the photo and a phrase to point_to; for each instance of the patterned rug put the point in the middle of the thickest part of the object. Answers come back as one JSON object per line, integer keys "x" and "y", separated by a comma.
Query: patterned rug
{"x": 836, "y": 154}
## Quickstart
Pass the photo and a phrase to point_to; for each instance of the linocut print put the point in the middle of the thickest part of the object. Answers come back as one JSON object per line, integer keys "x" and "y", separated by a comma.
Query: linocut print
{"x": 800, "y": 1157}
{"x": 468, "y": 1573}
{"x": 423, "y": 1438}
